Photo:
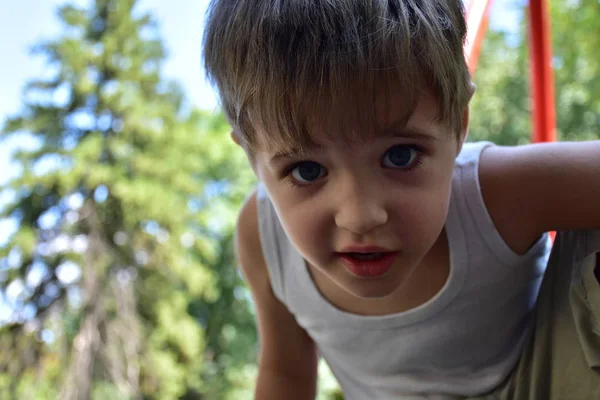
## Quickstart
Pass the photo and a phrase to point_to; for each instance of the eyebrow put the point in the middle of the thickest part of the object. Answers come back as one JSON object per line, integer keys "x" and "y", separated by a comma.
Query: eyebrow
{"x": 295, "y": 152}
{"x": 402, "y": 131}
{"x": 393, "y": 131}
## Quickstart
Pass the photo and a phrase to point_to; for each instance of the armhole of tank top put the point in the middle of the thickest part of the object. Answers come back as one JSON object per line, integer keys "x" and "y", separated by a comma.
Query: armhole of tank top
{"x": 593, "y": 242}
{"x": 269, "y": 242}
{"x": 476, "y": 208}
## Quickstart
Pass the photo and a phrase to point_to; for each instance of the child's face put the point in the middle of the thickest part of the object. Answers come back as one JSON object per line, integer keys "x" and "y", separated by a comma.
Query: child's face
{"x": 391, "y": 192}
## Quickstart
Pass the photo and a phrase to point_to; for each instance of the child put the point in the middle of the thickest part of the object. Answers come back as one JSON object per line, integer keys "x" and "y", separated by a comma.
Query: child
{"x": 380, "y": 240}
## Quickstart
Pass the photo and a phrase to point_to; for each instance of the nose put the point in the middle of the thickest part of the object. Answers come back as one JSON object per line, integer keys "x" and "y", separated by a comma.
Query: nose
{"x": 360, "y": 210}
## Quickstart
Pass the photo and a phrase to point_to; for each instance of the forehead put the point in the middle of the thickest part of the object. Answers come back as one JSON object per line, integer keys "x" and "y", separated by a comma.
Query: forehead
{"x": 355, "y": 122}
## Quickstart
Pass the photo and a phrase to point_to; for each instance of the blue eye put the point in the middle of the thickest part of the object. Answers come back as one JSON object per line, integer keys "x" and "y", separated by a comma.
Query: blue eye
{"x": 400, "y": 157}
{"x": 307, "y": 172}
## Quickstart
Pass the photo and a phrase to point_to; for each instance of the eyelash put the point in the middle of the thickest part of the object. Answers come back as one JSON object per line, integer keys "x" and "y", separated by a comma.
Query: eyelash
{"x": 289, "y": 179}
{"x": 288, "y": 176}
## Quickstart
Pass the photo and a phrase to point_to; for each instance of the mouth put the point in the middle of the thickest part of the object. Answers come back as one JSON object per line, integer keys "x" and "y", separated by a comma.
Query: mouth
{"x": 366, "y": 256}
{"x": 368, "y": 264}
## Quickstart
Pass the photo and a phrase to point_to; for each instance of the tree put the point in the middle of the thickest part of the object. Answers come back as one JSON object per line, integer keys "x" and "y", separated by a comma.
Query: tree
{"x": 501, "y": 107}
{"x": 576, "y": 39}
{"x": 111, "y": 274}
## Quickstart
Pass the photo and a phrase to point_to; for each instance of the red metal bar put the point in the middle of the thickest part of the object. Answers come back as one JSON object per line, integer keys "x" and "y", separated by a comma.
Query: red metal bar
{"x": 542, "y": 75}
{"x": 477, "y": 16}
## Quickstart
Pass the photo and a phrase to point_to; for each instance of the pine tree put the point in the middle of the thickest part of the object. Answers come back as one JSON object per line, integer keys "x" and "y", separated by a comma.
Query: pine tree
{"x": 111, "y": 272}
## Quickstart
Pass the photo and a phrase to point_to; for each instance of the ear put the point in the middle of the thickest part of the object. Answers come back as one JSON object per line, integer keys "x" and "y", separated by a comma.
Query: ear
{"x": 236, "y": 138}
{"x": 465, "y": 125}
{"x": 472, "y": 89}
{"x": 464, "y": 134}
{"x": 465, "y": 117}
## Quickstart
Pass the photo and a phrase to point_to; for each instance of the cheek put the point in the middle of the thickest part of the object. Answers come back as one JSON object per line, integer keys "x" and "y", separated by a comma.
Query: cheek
{"x": 422, "y": 215}
{"x": 307, "y": 228}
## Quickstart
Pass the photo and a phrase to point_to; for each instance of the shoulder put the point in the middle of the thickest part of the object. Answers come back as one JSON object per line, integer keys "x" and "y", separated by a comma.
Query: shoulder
{"x": 536, "y": 188}
{"x": 502, "y": 183}
{"x": 286, "y": 349}
{"x": 471, "y": 151}
{"x": 247, "y": 223}
{"x": 248, "y": 244}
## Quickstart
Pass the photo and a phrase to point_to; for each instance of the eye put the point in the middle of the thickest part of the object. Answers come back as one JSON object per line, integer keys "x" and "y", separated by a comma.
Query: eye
{"x": 307, "y": 172}
{"x": 401, "y": 157}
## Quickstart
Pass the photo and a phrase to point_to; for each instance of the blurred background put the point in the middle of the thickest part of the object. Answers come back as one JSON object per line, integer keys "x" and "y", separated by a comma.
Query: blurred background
{"x": 119, "y": 188}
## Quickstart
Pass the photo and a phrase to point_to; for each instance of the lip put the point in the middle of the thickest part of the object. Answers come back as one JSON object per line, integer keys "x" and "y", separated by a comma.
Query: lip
{"x": 364, "y": 249}
{"x": 369, "y": 268}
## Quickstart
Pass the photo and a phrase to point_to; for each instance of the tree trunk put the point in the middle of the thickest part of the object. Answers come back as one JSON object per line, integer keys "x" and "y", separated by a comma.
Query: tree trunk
{"x": 77, "y": 384}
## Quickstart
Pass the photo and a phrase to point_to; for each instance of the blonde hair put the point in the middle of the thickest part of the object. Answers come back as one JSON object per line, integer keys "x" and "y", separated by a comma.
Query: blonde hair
{"x": 281, "y": 66}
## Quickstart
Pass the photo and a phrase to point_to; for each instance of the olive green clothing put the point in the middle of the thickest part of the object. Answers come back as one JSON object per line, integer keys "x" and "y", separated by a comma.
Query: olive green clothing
{"x": 561, "y": 358}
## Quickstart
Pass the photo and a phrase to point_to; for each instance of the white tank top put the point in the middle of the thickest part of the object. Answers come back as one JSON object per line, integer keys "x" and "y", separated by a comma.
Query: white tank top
{"x": 462, "y": 342}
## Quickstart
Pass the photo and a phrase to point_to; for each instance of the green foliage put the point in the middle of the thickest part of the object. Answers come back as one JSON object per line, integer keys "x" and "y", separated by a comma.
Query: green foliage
{"x": 136, "y": 196}
{"x": 576, "y": 39}
{"x": 501, "y": 108}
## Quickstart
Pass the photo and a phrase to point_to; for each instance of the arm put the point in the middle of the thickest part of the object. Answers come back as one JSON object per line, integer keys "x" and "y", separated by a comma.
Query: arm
{"x": 288, "y": 356}
{"x": 537, "y": 188}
